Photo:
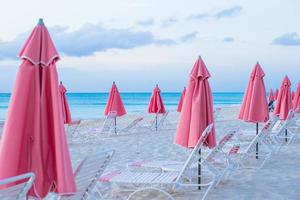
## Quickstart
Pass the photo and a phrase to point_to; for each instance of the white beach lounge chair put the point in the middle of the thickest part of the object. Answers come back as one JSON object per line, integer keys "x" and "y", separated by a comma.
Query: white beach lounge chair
{"x": 164, "y": 123}
{"x": 280, "y": 132}
{"x": 160, "y": 181}
{"x": 246, "y": 153}
{"x": 216, "y": 158}
{"x": 158, "y": 123}
{"x": 73, "y": 128}
{"x": 291, "y": 128}
{"x": 274, "y": 130}
{"x": 86, "y": 176}
{"x": 19, "y": 189}
{"x": 132, "y": 127}
{"x": 108, "y": 127}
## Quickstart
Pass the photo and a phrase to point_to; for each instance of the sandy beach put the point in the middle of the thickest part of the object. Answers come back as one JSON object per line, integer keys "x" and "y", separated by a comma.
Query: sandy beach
{"x": 278, "y": 179}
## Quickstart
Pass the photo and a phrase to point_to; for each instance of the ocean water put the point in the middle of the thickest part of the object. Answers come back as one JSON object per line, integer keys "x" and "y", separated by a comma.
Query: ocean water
{"x": 91, "y": 105}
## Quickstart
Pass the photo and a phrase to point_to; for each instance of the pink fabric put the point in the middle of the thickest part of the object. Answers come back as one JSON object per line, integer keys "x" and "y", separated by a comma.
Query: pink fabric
{"x": 181, "y": 100}
{"x": 293, "y": 95}
{"x": 284, "y": 100}
{"x": 114, "y": 102}
{"x": 276, "y": 94}
{"x": 34, "y": 51}
{"x": 156, "y": 104}
{"x": 34, "y": 138}
{"x": 271, "y": 96}
{"x": 107, "y": 177}
{"x": 296, "y": 100}
{"x": 225, "y": 139}
{"x": 65, "y": 106}
{"x": 234, "y": 150}
{"x": 197, "y": 109}
{"x": 255, "y": 106}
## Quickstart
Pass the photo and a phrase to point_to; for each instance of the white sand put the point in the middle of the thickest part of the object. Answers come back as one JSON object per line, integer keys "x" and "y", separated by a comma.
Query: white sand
{"x": 278, "y": 179}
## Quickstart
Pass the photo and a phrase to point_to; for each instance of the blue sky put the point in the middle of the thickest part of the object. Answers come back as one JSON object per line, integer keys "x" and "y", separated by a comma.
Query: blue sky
{"x": 139, "y": 43}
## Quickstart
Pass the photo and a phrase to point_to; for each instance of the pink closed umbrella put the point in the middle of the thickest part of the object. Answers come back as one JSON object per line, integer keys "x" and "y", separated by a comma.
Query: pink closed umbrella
{"x": 156, "y": 104}
{"x": 197, "y": 110}
{"x": 271, "y": 96}
{"x": 34, "y": 138}
{"x": 293, "y": 95}
{"x": 114, "y": 104}
{"x": 254, "y": 106}
{"x": 181, "y": 100}
{"x": 65, "y": 106}
{"x": 296, "y": 100}
{"x": 284, "y": 100}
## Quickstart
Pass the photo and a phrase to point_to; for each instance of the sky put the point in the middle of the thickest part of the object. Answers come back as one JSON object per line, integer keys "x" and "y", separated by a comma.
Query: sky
{"x": 140, "y": 43}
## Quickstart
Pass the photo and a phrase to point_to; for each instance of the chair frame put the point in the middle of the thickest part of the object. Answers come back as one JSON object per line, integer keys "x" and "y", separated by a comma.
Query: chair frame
{"x": 18, "y": 192}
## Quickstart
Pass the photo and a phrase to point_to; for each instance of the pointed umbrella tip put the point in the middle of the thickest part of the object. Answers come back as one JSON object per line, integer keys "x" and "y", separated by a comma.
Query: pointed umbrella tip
{"x": 61, "y": 82}
{"x": 41, "y": 21}
{"x": 114, "y": 82}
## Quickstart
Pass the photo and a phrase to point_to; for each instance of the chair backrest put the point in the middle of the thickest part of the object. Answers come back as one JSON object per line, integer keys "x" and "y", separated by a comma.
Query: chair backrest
{"x": 218, "y": 149}
{"x": 88, "y": 174}
{"x": 109, "y": 121}
{"x": 257, "y": 139}
{"x": 290, "y": 118}
{"x": 132, "y": 124}
{"x": 280, "y": 125}
{"x": 73, "y": 126}
{"x": 16, "y": 187}
{"x": 194, "y": 152}
{"x": 163, "y": 119}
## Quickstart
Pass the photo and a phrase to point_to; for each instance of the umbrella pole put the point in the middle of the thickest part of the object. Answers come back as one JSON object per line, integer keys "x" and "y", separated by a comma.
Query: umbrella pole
{"x": 199, "y": 170}
{"x": 156, "y": 122}
{"x": 257, "y": 142}
{"x": 115, "y": 125}
{"x": 285, "y": 135}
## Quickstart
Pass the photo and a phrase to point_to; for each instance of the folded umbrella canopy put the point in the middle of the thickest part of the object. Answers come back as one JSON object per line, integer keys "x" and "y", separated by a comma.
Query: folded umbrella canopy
{"x": 271, "y": 96}
{"x": 34, "y": 138}
{"x": 179, "y": 107}
{"x": 65, "y": 106}
{"x": 296, "y": 100}
{"x": 114, "y": 104}
{"x": 254, "y": 106}
{"x": 284, "y": 100}
{"x": 156, "y": 104}
{"x": 197, "y": 111}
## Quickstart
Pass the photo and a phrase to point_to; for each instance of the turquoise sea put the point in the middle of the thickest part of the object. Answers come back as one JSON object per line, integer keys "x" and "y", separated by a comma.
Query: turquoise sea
{"x": 91, "y": 105}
